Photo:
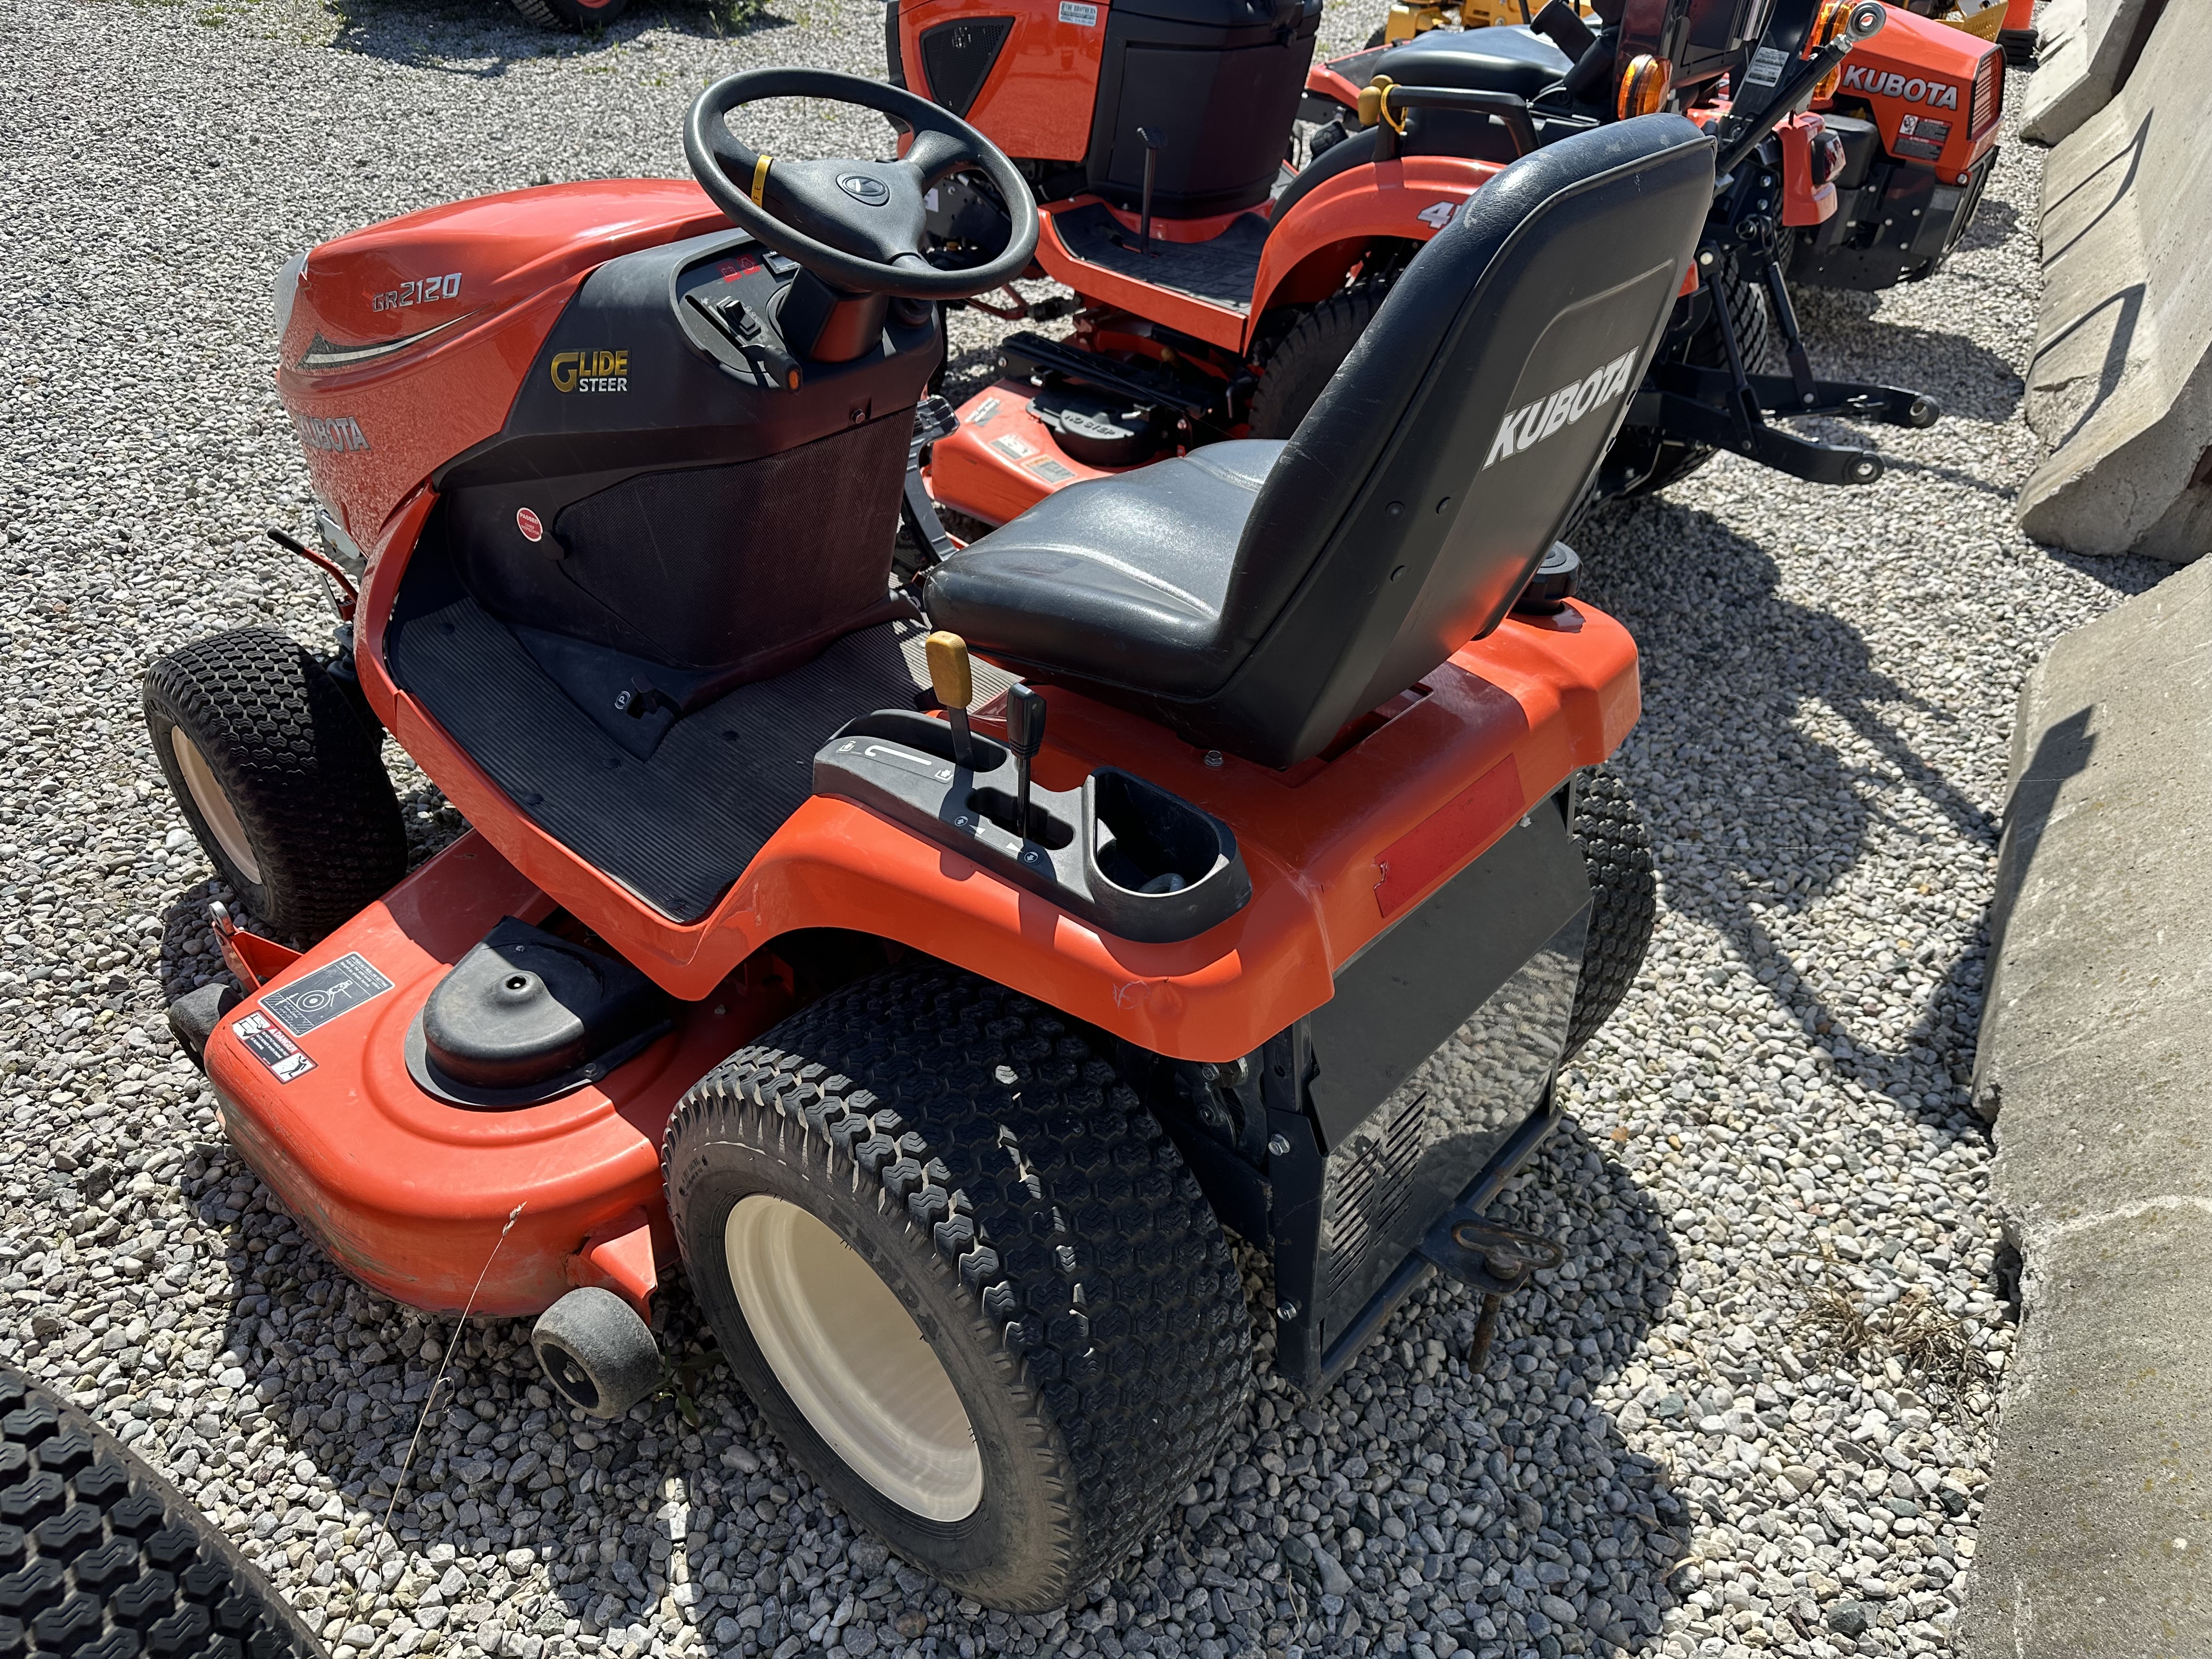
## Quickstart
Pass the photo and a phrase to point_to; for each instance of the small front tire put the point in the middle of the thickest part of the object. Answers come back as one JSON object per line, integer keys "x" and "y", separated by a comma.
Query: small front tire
{"x": 282, "y": 785}
{"x": 964, "y": 1276}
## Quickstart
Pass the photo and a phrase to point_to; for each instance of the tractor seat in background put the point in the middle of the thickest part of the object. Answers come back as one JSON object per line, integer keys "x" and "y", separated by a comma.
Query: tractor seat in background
{"x": 1509, "y": 57}
{"x": 1257, "y": 596}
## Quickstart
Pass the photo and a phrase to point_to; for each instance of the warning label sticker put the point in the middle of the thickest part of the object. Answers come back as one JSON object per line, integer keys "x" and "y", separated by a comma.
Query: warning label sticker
{"x": 1013, "y": 447}
{"x": 1049, "y": 470}
{"x": 266, "y": 1041}
{"x": 1765, "y": 67}
{"x": 319, "y": 998}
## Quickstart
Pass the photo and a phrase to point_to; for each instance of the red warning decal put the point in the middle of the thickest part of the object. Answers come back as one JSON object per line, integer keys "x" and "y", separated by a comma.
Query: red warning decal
{"x": 529, "y": 524}
{"x": 268, "y": 1043}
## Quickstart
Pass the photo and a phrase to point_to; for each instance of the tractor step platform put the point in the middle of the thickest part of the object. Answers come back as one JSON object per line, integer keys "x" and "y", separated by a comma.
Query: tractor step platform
{"x": 1220, "y": 272}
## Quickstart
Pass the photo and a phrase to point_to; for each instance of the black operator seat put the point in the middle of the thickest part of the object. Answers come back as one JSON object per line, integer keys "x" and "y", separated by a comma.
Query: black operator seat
{"x": 1509, "y": 57}
{"x": 1256, "y": 597}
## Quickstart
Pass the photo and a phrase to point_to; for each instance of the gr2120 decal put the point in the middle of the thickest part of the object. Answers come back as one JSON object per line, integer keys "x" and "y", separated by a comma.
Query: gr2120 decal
{"x": 417, "y": 291}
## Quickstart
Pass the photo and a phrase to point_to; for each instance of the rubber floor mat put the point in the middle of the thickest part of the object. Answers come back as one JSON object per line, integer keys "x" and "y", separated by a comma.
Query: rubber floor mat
{"x": 676, "y": 828}
{"x": 1221, "y": 271}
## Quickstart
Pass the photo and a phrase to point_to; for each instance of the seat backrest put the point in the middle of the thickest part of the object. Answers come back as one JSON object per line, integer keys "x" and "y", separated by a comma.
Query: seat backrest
{"x": 1409, "y": 509}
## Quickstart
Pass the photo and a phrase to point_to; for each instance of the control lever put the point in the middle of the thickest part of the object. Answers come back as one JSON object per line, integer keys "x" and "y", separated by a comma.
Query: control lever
{"x": 1025, "y": 736}
{"x": 955, "y": 686}
{"x": 1153, "y": 144}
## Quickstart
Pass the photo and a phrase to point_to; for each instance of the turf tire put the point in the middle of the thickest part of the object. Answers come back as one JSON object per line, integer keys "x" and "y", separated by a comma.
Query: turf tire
{"x": 571, "y": 14}
{"x": 1663, "y": 460}
{"x": 1624, "y": 899}
{"x": 980, "y": 1155}
{"x": 1302, "y": 363}
{"x": 303, "y": 778}
{"x": 106, "y": 1558}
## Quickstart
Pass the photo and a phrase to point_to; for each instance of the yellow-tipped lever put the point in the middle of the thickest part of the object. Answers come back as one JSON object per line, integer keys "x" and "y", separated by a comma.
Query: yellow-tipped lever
{"x": 954, "y": 685}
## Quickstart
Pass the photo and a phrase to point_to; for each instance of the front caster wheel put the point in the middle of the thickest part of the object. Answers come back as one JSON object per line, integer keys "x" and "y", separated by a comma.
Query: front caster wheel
{"x": 598, "y": 1354}
{"x": 964, "y": 1276}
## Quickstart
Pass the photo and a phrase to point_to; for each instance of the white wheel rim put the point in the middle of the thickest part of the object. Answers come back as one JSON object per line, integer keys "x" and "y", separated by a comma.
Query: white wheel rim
{"x": 214, "y": 808}
{"x": 853, "y": 1360}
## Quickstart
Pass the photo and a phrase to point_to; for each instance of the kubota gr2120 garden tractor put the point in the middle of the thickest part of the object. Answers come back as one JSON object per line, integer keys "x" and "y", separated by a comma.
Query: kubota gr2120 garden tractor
{"x": 940, "y": 971}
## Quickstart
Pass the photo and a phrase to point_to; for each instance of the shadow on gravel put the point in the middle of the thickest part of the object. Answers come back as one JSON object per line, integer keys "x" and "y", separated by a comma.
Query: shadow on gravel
{"x": 1845, "y": 336}
{"x": 1502, "y": 1509}
{"x": 1766, "y": 818}
{"x": 484, "y": 40}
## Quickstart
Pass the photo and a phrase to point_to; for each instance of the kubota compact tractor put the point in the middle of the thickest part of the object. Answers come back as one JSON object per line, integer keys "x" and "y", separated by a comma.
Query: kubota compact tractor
{"x": 1218, "y": 291}
{"x": 939, "y": 970}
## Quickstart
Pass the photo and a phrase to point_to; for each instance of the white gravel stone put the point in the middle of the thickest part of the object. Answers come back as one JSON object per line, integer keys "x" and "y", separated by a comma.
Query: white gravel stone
{"x": 1657, "y": 1459}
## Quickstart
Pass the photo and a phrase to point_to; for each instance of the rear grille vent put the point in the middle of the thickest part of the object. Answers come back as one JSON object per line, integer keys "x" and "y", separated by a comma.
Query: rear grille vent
{"x": 1374, "y": 1192}
{"x": 1983, "y": 109}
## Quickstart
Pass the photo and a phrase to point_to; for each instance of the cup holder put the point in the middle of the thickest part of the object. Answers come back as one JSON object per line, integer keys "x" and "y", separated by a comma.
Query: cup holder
{"x": 1145, "y": 840}
{"x": 1124, "y": 853}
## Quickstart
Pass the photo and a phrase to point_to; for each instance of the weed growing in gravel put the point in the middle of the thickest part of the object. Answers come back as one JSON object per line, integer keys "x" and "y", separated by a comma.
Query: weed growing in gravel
{"x": 1926, "y": 1341}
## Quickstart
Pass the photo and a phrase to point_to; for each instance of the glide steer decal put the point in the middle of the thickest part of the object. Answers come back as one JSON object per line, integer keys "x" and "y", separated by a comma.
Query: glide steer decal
{"x": 1532, "y": 423}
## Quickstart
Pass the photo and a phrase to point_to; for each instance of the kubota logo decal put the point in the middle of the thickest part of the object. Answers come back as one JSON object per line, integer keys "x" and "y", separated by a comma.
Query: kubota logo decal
{"x": 1532, "y": 423}
{"x": 335, "y": 433}
{"x": 1888, "y": 83}
{"x": 591, "y": 371}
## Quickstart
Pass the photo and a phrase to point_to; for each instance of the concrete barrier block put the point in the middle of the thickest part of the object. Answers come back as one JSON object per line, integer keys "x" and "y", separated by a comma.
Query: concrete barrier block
{"x": 2120, "y": 386}
{"x": 2095, "y": 1057}
{"x": 2083, "y": 48}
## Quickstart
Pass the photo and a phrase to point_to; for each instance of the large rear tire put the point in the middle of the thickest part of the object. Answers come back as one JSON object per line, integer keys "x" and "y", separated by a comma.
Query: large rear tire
{"x": 1301, "y": 365}
{"x": 964, "y": 1276}
{"x": 104, "y": 1558}
{"x": 281, "y": 781}
{"x": 1624, "y": 900}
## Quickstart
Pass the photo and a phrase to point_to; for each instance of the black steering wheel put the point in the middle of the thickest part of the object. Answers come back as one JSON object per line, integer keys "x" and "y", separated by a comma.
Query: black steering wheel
{"x": 856, "y": 225}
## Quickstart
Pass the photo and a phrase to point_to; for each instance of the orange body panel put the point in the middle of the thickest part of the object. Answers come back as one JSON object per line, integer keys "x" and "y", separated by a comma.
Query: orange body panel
{"x": 410, "y": 1194}
{"x": 475, "y": 287}
{"x": 1038, "y": 97}
{"x": 1552, "y": 697}
{"x": 1803, "y": 202}
{"x": 1922, "y": 72}
{"x": 1003, "y": 460}
{"x": 1305, "y": 258}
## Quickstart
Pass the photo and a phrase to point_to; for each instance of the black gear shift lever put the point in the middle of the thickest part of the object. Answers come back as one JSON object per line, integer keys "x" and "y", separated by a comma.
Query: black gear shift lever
{"x": 1025, "y": 736}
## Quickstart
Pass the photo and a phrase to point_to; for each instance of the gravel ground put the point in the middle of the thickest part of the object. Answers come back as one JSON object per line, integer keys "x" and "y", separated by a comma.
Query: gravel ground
{"x": 1752, "y": 1413}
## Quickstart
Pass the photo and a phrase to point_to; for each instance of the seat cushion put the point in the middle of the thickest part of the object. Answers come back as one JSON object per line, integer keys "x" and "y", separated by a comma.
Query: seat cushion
{"x": 1119, "y": 580}
{"x": 1507, "y": 58}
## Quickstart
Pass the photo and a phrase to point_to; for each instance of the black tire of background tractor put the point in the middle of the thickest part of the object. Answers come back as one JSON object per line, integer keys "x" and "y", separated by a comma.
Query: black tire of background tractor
{"x": 1297, "y": 369}
{"x": 1624, "y": 900}
{"x": 302, "y": 778}
{"x": 1378, "y": 37}
{"x": 1670, "y": 461}
{"x": 104, "y": 1558}
{"x": 982, "y": 1158}
{"x": 570, "y": 14}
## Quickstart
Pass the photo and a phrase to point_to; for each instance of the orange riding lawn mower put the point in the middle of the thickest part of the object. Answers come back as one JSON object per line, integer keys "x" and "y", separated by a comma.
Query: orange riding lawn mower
{"x": 940, "y": 970}
{"x": 1217, "y": 288}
